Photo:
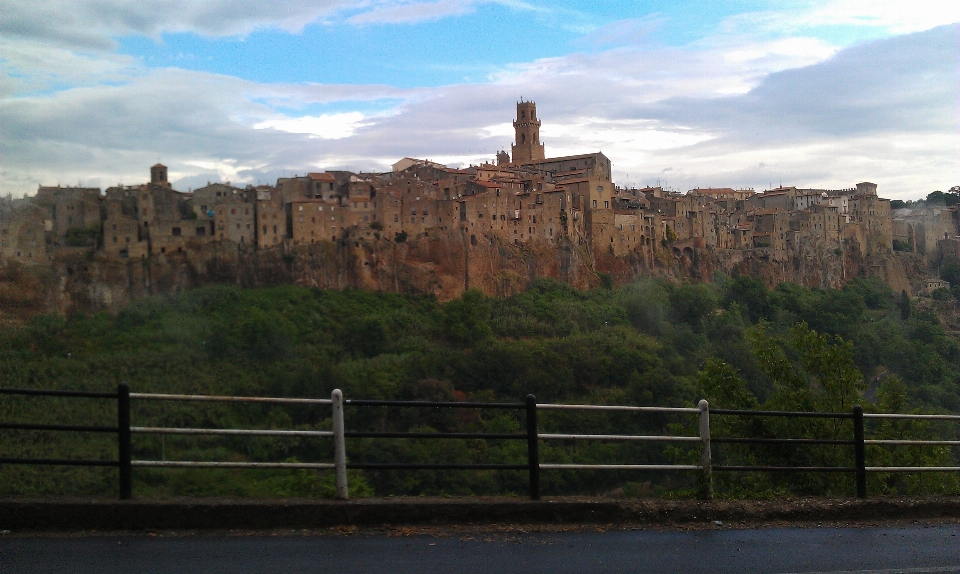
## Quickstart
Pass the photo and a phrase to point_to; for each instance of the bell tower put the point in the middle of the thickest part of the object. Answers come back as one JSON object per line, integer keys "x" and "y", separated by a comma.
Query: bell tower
{"x": 527, "y": 147}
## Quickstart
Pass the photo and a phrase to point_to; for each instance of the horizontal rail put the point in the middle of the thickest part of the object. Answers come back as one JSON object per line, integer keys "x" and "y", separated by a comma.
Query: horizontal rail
{"x": 913, "y": 468}
{"x": 786, "y": 468}
{"x": 245, "y": 432}
{"x": 76, "y": 428}
{"x": 59, "y": 461}
{"x": 52, "y": 393}
{"x": 204, "y": 464}
{"x": 620, "y": 467}
{"x": 216, "y": 398}
{"x": 913, "y": 417}
{"x": 433, "y": 466}
{"x": 798, "y": 414}
{"x": 443, "y": 404}
{"x": 624, "y": 437}
{"x": 374, "y": 434}
{"x": 914, "y": 442}
{"x": 736, "y": 440}
{"x": 556, "y": 407}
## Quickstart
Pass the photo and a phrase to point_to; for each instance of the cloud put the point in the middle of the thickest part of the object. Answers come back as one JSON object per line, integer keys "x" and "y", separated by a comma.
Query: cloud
{"x": 92, "y": 24}
{"x": 327, "y": 126}
{"x": 725, "y": 110}
{"x": 408, "y": 12}
{"x": 903, "y": 84}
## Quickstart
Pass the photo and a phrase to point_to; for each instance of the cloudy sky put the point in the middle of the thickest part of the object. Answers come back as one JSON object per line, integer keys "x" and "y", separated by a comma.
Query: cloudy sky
{"x": 744, "y": 94}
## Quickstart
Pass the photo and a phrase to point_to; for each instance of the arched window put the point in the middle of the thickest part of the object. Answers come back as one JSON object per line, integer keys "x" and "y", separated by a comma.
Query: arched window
{"x": 523, "y": 138}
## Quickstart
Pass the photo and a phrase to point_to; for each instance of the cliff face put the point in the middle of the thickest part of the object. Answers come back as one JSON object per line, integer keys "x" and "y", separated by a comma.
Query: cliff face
{"x": 440, "y": 264}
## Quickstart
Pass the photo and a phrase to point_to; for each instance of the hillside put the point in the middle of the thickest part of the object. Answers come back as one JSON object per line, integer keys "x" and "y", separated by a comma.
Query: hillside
{"x": 734, "y": 342}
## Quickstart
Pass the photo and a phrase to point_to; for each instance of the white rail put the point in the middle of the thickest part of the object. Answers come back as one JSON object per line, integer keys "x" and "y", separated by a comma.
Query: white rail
{"x": 245, "y": 432}
{"x": 624, "y": 437}
{"x": 218, "y": 398}
{"x": 620, "y": 467}
{"x": 204, "y": 464}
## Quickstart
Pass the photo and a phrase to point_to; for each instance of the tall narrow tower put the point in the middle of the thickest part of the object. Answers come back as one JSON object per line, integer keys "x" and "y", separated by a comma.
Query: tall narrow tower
{"x": 158, "y": 175}
{"x": 527, "y": 148}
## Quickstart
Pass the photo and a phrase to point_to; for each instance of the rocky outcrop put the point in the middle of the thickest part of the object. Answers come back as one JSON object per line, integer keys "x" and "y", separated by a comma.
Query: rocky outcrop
{"x": 442, "y": 264}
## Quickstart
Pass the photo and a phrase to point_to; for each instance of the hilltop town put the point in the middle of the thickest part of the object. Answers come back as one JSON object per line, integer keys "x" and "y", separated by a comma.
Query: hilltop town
{"x": 426, "y": 227}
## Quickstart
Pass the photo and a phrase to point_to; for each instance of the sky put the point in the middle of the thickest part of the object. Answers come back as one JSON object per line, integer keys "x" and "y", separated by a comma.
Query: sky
{"x": 745, "y": 94}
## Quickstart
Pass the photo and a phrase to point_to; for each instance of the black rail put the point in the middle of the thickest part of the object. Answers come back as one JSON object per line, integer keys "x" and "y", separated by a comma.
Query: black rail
{"x": 76, "y": 428}
{"x": 122, "y": 430}
{"x": 533, "y": 457}
{"x": 59, "y": 461}
{"x": 857, "y": 442}
{"x": 52, "y": 393}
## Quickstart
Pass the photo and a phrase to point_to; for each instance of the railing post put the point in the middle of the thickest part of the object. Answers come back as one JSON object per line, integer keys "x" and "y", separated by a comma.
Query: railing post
{"x": 533, "y": 448}
{"x": 859, "y": 450}
{"x": 705, "y": 458}
{"x": 123, "y": 441}
{"x": 339, "y": 445}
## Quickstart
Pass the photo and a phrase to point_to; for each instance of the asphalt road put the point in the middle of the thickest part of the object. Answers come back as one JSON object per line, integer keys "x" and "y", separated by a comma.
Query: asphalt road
{"x": 913, "y": 549}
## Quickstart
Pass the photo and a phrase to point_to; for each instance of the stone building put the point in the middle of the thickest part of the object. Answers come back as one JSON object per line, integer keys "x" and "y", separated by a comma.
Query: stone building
{"x": 271, "y": 216}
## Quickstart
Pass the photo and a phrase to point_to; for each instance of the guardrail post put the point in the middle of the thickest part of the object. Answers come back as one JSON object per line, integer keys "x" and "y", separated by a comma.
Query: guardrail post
{"x": 123, "y": 441}
{"x": 706, "y": 489}
{"x": 859, "y": 451}
{"x": 533, "y": 448}
{"x": 339, "y": 445}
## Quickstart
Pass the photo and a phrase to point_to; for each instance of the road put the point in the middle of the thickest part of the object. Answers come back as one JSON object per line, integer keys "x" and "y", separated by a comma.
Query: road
{"x": 914, "y": 549}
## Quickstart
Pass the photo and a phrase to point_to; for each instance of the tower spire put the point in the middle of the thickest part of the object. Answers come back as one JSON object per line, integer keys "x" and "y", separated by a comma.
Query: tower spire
{"x": 527, "y": 147}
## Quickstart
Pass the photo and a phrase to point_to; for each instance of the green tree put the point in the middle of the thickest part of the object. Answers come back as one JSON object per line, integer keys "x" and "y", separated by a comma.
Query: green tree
{"x": 465, "y": 320}
{"x": 904, "y": 305}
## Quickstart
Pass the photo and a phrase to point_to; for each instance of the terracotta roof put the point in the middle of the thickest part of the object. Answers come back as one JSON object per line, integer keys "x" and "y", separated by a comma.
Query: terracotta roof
{"x": 321, "y": 177}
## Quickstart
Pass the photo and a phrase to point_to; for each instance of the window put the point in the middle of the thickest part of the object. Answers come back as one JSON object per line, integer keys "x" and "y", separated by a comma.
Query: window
{"x": 594, "y": 203}
{"x": 114, "y": 240}
{"x": 233, "y": 211}
{"x": 606, "y": 204}
{"x": 274, "y": 230}
{"x": 176, "y": 232}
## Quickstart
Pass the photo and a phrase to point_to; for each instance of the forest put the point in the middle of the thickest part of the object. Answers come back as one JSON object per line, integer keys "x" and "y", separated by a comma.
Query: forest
{"x": 735, "y": 342}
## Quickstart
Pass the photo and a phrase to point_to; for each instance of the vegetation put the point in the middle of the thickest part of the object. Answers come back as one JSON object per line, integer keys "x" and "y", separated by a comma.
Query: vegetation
{"x": 735, "y": 342}
{"x": 934, "y": 198}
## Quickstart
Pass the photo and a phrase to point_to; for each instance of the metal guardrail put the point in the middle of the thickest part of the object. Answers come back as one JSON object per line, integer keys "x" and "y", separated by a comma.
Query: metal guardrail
{"x": 533, "y": 465}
